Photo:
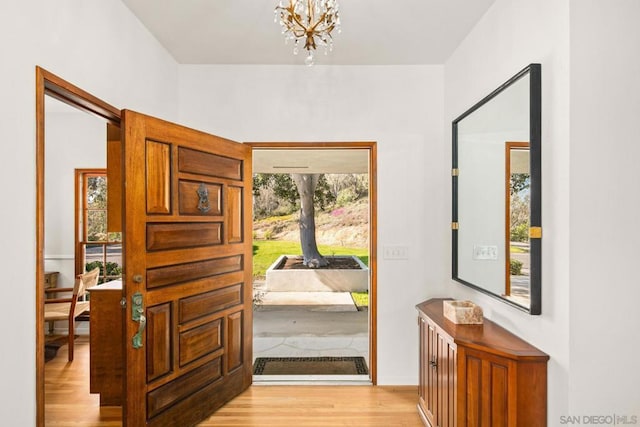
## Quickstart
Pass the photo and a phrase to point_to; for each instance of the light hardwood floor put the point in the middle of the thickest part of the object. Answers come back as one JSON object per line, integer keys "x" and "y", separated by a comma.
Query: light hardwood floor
{"x": 68, "y": 402}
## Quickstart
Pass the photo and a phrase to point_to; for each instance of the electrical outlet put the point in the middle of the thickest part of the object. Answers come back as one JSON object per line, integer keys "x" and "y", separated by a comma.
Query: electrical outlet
{"x": 395, "y": 252}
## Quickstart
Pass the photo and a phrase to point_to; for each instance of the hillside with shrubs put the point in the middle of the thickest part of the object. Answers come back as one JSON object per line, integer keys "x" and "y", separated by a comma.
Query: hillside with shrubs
{"x": 342, "y": 209}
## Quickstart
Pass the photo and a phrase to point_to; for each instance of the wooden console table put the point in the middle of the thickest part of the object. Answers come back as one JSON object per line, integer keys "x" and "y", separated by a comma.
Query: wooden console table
{"x": 105, "y": 329}
{"x": 478, "y": 375}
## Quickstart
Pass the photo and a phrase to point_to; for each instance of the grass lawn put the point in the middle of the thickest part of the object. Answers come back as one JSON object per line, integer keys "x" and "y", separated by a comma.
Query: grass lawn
{"x": 517, "y": 250}
{"x": 360, "y": 298}
{"x": 265, "y": 252}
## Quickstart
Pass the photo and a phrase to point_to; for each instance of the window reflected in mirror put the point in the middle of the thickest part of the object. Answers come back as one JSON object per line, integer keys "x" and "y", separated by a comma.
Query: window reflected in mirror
{"x": 517, "y": 208}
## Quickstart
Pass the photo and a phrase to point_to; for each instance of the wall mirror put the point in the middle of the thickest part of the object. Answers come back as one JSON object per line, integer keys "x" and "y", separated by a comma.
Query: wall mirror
{"x": 496, "y": 193}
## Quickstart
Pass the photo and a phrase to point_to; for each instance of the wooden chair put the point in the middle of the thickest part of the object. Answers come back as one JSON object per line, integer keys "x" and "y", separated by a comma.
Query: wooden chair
{"x": 71, "y": 307}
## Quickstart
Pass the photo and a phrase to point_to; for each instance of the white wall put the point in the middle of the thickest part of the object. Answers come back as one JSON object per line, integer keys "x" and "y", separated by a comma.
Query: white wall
{"x": 590, "y": 197}
{"x": 605, "y": 207}
{"x": 74, "y": 139}
{"x": 102, "y": 48}
{"x": 512, "y": 34}
{"x": 401, "y": 109}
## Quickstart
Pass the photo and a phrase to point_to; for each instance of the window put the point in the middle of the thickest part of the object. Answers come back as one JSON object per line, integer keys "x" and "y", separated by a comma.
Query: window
{"x": 95, "y": 245}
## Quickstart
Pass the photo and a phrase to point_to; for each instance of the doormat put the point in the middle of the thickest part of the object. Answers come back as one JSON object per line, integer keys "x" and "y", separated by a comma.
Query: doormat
{"x": 310, "y": 366}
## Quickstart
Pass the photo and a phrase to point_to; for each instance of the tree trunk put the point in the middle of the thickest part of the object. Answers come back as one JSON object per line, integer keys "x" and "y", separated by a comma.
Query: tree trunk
{"x": 306, "y": 184}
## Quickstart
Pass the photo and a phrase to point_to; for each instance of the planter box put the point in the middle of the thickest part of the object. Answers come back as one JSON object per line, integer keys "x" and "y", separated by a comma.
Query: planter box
{"x": 317, "y": 280}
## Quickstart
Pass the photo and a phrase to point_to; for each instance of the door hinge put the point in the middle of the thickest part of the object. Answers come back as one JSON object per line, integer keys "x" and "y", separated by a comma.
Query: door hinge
{"x": 123, "y": 302}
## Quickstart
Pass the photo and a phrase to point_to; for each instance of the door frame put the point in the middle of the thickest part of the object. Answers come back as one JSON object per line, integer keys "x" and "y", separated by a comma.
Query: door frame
{"x": 371, "y": 146}
{"x": 49, "y": 84}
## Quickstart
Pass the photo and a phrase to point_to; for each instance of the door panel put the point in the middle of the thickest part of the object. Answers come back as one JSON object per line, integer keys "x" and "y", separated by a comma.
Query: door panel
{"x": 432, "y": 373}
{"x": 178, "y": 273}
{"x": 158, "y": 341}
{"x": 166, "y": 236}
{"x": 446, "y": 373}
{"x": 234, "y": 214}
{"x": 200, "y": 341}
{"x": 210, "y": 302}
{"x": 189, "y": 199}
{"x": 234, "y": 341}
{"x": 499, "y": 394}
{"x": 162, "y": 397}
{"x": 203, "y": 163}
{"x": 473, "y": 393}
{"x": 158, "y": 178}
{"x": 188, "y": 206}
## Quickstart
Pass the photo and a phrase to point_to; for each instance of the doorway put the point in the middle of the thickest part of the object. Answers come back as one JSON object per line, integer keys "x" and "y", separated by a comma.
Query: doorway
{"x": 70, "y": 99}
{"x": 50, "y": 85}
{"x": 310, "y": 324}
{"x": 517, "y": 222}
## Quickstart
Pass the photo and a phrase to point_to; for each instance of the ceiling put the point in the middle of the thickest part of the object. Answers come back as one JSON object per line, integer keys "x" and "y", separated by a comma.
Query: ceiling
{"x": 309, "y": 160}
{"x": 374, "y": 32}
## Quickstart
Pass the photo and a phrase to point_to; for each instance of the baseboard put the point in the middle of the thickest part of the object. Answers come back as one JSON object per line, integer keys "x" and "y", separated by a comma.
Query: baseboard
{"x": 423, "y": 416}
{"x": 82, "y": 329}
{"x": 396, "y": 381}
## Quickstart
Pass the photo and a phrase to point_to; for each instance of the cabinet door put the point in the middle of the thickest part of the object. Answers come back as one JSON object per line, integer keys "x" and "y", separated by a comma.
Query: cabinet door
{"x": 446, "y": 381}
{"x": 423, "y": 363}
{"x": 428, "y": 389}
{"x": 487, "y": 388}
{"x": 432, "y": 373}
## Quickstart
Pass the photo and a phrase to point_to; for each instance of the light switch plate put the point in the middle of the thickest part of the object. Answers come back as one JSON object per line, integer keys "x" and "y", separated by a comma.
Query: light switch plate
{"x": 395, "y": 252}
{"x": 485, "y": 252}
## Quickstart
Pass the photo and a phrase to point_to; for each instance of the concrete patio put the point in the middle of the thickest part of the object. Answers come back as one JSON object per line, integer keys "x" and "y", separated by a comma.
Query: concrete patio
{"x": 297, "y": 324}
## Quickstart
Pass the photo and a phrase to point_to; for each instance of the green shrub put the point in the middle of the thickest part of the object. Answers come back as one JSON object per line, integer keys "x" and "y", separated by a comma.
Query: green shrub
{"x": 515, "y": 267}
{"x": 346, "y": 196}
{"x": 113, "y": 268}
{"x": 520, "y": 233}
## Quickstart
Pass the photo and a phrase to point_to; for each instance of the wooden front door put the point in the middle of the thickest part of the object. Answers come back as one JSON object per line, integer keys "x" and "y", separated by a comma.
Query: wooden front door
{"x": 187, "y": 245}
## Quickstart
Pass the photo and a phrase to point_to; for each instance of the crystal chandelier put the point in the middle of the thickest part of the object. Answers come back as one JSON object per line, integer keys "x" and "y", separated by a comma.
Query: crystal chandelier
{"x": 308, "y": 21}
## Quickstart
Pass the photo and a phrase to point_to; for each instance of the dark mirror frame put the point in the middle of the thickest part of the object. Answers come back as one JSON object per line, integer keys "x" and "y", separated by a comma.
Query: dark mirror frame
{"x": 535, "y": 231}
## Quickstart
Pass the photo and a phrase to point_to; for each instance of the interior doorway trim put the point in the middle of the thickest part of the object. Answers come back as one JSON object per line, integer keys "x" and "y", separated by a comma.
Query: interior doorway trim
{"x": 373, "y": 225}
{"x": 49, "y": 84}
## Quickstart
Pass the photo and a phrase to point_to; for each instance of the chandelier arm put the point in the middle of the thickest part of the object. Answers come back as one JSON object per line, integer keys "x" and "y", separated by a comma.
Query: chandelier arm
{"x": 299, "y": 30}
{"x": 310, "y": 13}
{"x": 300, "y": 24}
{"x": 318, "y": 22}
{"x": 323, "y": 30}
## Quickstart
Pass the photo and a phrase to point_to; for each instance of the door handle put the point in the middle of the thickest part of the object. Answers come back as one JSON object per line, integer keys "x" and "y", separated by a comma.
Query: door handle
{"x": 137, "y": 315}
{"x": 137, "y": 338}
